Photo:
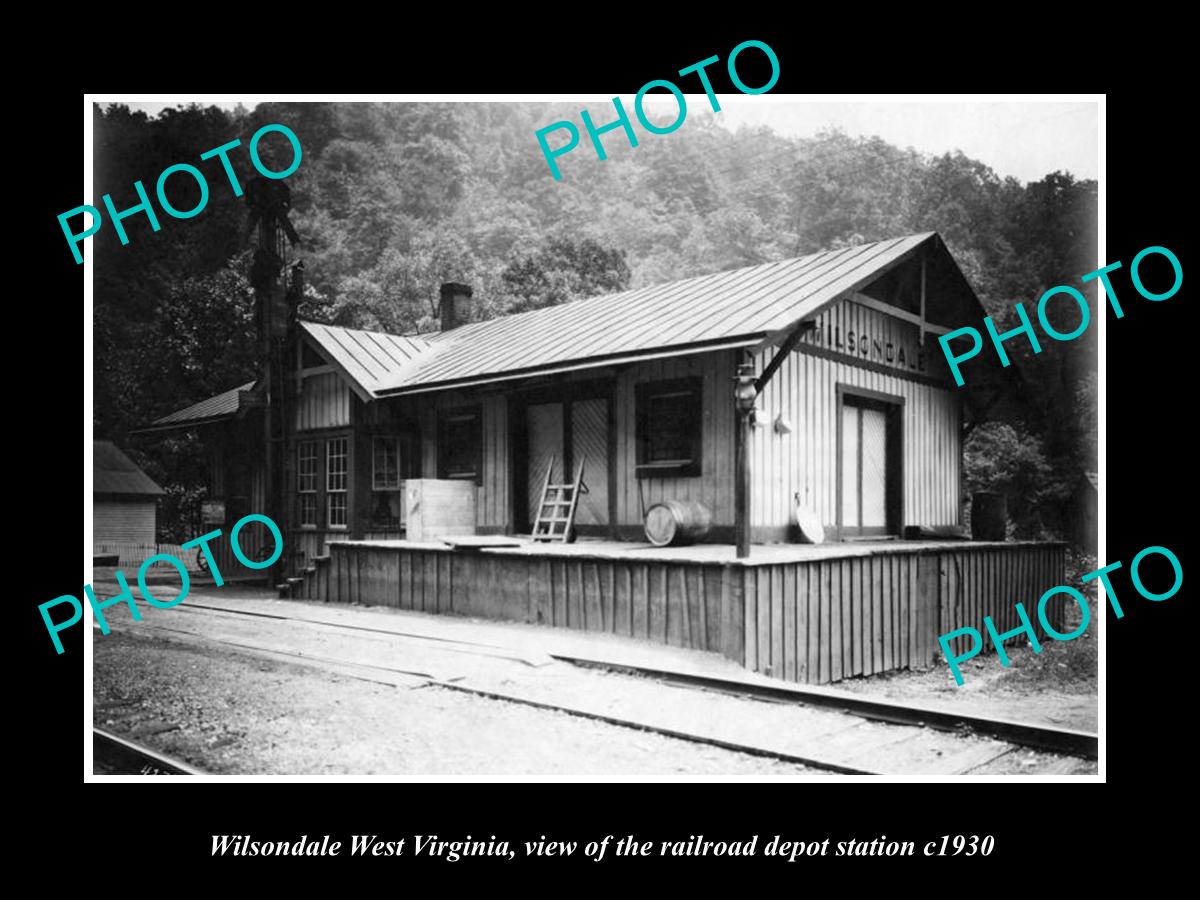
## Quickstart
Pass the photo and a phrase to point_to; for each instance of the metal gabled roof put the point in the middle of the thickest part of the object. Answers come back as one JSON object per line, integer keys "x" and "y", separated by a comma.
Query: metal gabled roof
{"x": 115, "y": 473}
{"x": 372, "y": 360}
{"x": 742, "y": 303}
{"x": 740, "y": 307}
{"x": 725, "y": 309}
{"x": 222, "y": 406}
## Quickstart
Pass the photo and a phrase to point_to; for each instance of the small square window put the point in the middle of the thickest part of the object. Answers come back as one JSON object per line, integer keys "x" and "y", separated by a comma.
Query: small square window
{"x": 385, "y": 508}
{"x": 336, "y": 468}
{"x": 306, "y": 467}
{"x": 337, "y": 510}
{"x": 335, "y": 464}
{"x": 308, "y": 510}
{"x": 306, "y": 483}
{"x": 385, "y": 464}
{"x": 459, "y": 443}
{"x": 670, "y": 417}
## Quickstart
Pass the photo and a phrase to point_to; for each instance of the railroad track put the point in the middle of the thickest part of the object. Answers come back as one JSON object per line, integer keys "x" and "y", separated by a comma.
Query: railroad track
{"x": 112, "y": 755}
{"x": 1025, "y": 734}
{"x": 907, "y": 720}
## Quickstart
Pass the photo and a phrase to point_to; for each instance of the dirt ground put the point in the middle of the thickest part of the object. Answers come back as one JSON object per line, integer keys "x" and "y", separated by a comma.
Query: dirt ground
{"x": 240, "y": 714}
{"x": 203, "y": 682}
{"x": 1057, "y": 686}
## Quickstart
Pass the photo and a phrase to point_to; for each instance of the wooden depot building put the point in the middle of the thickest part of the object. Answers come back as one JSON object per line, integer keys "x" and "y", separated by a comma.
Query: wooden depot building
{"x": 814, "y": 382}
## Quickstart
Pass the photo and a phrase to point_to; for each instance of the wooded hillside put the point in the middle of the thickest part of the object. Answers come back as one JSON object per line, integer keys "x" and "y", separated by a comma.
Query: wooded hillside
{"x": 391, "y": 200}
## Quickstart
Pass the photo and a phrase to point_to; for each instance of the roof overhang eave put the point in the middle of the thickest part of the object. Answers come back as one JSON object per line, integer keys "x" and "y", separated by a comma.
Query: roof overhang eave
{"x": 596, "y": 362}
{"x": 183, "y": 426}
{"x": 362, "y": 391}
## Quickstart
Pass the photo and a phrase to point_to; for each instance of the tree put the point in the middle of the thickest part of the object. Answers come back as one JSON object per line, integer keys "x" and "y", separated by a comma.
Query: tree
{"x": 1007, "y": 459}
{"x": 392, "y": 199}
{"x": 562, "y": 270}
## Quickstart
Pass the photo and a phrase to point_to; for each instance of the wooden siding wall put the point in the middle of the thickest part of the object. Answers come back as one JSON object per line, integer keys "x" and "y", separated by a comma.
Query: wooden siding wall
{"x": 714, "y": 487}
{"x": 306, "y": 544}
{"x": 823, "y": 621}
{"x": 303, "y": 545}
{"x": 258, "y": 488}
{"x": 215, "y": 445}
{"x": 804, "y": 390}
{"x": 990, "y": 582}
{"x": 253, "y": 536}
{"x": 236, "y": 469}
{"x": 123, "y": 521}
{"x": 323, "y": 402}
{"x": 683, "y": 605}
{"x": 813, "y": 621}
{"x": 842, "y": 327}
{"x": 253, "y": 533}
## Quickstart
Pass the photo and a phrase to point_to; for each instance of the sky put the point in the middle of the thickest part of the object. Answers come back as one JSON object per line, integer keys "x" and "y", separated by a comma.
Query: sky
{"x": 1026, "y": 140}
{"x": 1023, "y": 139}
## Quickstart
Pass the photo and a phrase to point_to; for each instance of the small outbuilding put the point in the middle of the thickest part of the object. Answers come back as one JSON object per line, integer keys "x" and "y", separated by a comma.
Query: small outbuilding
{"x": 124, "y": 501}
{"x": 1084, "y": 507}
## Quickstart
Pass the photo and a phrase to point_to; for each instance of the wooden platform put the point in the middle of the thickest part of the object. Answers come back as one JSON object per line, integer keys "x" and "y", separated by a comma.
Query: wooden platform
{"x": 724, "y": 554}
{"x": 812, "y": 614}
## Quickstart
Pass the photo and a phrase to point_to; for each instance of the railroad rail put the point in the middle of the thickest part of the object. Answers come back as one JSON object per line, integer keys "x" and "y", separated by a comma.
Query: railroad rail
{"x": 1018, "y": 735}
{"x": 1025, "y": 734}
{"x": 120, "y": 756}
{"x": 341, "y": 668}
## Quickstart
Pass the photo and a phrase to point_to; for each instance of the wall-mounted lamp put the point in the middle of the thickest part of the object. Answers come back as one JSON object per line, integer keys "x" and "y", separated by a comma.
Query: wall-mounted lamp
{"x": 744, "y": 392}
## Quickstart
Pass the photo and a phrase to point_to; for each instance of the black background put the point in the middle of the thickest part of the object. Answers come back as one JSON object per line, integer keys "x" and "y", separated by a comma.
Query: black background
{"x": 1050, "y": 827}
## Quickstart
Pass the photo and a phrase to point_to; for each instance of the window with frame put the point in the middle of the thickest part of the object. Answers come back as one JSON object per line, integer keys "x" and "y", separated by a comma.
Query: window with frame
{"x": 336, "y": 469}
{"x": 306, "y": 483}
{"x": 385, "y": 481}
{"x": 459, "y": 443}
{"x": 670, "y": 416}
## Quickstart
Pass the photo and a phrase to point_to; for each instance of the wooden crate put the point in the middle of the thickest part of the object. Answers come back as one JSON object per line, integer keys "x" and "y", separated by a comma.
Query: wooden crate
{"x": 436, "y": 507}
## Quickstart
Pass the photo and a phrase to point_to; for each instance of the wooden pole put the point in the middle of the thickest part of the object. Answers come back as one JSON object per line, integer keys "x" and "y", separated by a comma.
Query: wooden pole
{"x": 741, "y": 486}
{"x": 921, "y": 333}
{"x": 270, "y": 240}
{"x": 268, "y": 424}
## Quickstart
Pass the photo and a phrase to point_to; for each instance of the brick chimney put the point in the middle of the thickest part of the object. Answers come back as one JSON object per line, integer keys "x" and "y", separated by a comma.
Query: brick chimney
{"x": 454, "y": 308}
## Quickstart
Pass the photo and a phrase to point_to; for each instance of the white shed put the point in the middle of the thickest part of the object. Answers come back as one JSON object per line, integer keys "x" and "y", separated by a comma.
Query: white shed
{"x": 124, "y": 500}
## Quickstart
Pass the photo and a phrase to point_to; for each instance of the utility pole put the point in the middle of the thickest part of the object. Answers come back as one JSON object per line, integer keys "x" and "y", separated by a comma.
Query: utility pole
{"x": 269, "y": 201}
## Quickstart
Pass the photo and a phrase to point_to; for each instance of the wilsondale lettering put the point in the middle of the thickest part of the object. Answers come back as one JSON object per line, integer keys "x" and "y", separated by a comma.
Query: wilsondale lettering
{"x": 243, "y": 845}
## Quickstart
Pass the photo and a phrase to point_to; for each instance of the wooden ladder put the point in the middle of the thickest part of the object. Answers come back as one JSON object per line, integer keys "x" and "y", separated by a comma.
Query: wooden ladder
{"x": 556, "y": 513}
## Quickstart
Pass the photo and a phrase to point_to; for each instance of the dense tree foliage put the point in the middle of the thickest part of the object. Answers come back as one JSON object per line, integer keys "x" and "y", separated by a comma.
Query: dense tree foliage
{"x": 563, "y": 270}
{"x": 393, "y": 199}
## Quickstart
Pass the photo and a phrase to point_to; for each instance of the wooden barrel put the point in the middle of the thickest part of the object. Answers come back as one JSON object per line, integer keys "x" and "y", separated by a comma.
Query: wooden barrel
{"x": 677, "y": 522}
{"x": 989, "y": 516}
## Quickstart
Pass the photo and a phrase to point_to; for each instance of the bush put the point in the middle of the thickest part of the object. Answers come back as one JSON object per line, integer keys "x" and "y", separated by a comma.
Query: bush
{"x": 1004, "y": 458}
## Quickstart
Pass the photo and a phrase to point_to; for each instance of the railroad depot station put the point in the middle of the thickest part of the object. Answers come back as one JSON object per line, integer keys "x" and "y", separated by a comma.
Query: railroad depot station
{"x": 764, "y": 463}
